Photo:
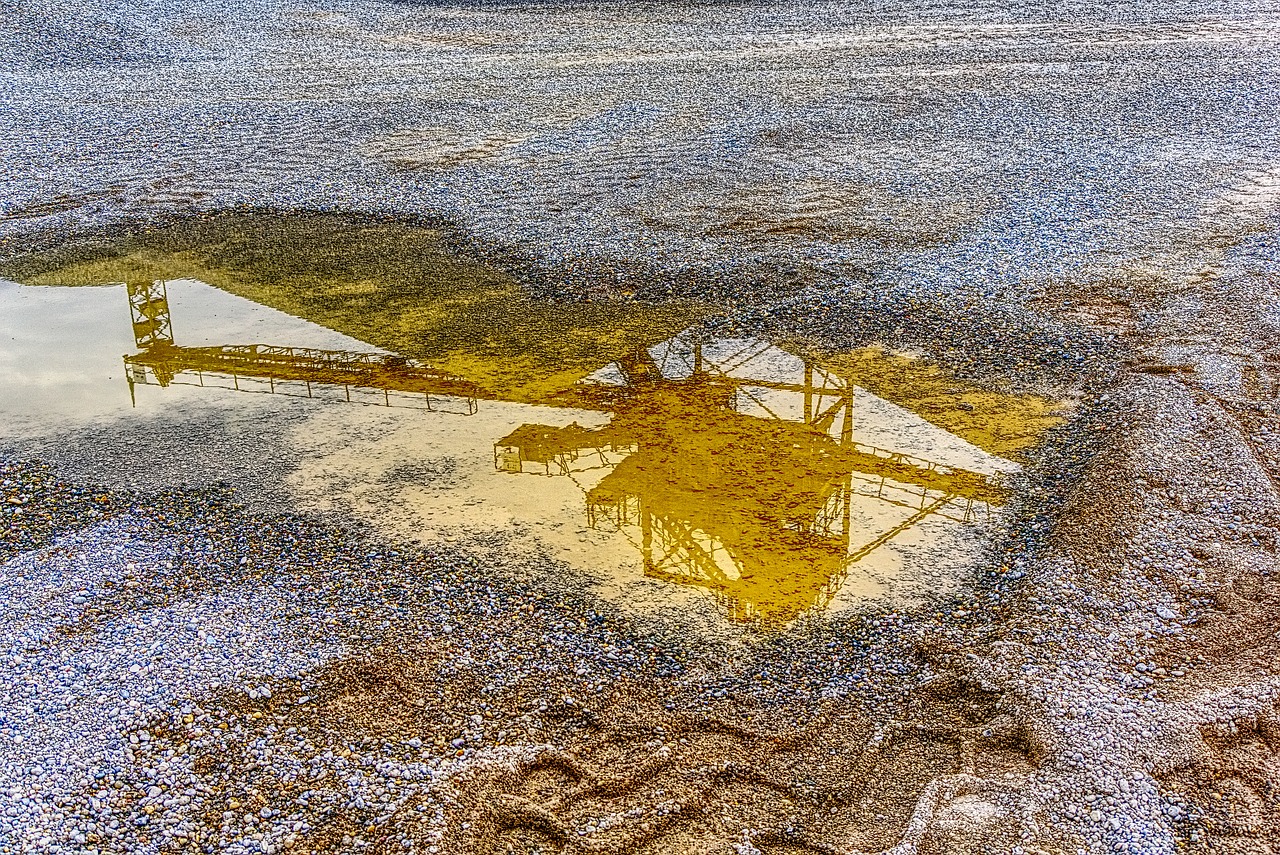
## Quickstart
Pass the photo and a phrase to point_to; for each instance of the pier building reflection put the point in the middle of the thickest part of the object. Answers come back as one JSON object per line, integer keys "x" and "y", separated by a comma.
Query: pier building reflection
{"x": 730, "y": 464}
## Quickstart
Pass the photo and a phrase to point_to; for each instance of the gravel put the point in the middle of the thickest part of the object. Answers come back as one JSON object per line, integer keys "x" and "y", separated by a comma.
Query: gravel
{"x": 184, "y": 671}
{"x": 1074, "y": 197}
{"x": 140, "y": 643}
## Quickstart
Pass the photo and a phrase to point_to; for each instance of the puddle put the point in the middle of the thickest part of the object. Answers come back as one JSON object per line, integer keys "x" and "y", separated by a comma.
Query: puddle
{"x": 662, "y": 463}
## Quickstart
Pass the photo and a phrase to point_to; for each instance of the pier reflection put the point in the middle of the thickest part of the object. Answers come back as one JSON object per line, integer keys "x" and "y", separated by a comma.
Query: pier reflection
{"x": 360, "y": 377}
{"x": 734, "y": 465}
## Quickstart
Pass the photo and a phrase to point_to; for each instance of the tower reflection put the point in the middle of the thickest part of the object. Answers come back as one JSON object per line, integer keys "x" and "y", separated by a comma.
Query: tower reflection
{"x": 731, "y": 464}
{"x": 361, "y": 377}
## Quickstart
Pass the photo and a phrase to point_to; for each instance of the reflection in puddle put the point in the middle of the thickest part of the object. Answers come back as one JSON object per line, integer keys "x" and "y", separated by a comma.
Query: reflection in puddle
{"x": 773, "y": 479}
{"x": 731, "y": 465}
{"x": 280, "y": 369}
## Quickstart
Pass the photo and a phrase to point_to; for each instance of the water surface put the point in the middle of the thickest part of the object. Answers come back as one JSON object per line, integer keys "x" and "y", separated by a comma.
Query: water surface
{"x": 661, "y": 460}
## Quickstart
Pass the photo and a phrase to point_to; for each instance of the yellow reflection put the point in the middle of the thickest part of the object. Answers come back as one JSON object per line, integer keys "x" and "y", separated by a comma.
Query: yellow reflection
{"x": 284, "y": 369}
{"x": 753, "y": 507}
{"x": 397, "y": 286}
{"x": 768, "y": 475}
{"x": 999, "y": 423}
